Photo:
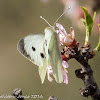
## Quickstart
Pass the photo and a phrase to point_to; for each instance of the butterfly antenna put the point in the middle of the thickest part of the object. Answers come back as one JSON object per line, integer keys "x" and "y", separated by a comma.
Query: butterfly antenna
{"x": 45, "y": 21}
{"x": 61, "y": 15}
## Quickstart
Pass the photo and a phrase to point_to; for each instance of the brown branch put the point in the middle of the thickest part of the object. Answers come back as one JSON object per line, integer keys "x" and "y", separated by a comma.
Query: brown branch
{"x": 18, "y": 94}
{"x": 52, "y": 98}
{"x": 85, "y": 72}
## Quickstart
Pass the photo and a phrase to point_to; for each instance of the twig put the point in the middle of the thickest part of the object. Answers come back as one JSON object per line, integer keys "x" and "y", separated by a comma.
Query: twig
{"x": 52, "y": 98}
{"x": 18, "y": 94}
{"x": 85, "y": 72}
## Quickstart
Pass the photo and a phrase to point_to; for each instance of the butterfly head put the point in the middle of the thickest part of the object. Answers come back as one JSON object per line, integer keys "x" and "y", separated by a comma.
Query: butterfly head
{"x": 49, "y": 29}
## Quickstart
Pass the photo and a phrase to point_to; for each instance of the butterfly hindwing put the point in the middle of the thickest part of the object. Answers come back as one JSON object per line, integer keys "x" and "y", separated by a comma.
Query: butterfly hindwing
{"x": 42, "y": 71}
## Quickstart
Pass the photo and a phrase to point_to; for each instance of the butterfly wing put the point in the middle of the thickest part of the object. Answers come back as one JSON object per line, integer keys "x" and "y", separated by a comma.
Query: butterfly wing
{"x": 55, "y": 58}
{"x": 48, "y": 34}
{"x": 31, "y": 47}
{"x": 42, "y": 72}
{"x": 53, "y": 54}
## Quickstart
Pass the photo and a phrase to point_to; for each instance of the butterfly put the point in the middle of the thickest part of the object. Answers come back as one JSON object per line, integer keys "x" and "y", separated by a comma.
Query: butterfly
{"x": 43, "y": 50}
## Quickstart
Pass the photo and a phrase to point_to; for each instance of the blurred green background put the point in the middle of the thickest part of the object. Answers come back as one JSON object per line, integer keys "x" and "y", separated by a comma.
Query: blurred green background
{"x": 19, "y": 18}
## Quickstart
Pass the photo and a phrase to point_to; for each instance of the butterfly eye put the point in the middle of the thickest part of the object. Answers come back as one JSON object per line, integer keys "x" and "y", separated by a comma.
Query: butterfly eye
{"x": 42, "y": 55}
{"x": 33, "y": 49}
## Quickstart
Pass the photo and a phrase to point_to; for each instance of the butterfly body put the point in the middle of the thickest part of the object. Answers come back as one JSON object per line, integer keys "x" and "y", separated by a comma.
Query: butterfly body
{"x": 43, "y": 50}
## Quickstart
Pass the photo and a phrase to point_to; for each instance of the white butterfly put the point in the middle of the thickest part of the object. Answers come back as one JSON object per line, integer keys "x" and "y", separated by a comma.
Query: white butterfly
{"x": 43, "y": 50}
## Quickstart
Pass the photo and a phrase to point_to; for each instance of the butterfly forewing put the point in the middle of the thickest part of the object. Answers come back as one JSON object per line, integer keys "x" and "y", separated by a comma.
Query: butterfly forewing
{"x": 32, "y": 47}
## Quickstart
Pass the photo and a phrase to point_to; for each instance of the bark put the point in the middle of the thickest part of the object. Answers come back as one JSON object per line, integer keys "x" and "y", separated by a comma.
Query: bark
{"x": 18, "y": 94}
{"x": 85, "y": 72}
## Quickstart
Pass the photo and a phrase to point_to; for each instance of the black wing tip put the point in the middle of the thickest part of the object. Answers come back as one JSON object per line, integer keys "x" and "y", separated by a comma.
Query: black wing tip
{"x": 20, "y": 47}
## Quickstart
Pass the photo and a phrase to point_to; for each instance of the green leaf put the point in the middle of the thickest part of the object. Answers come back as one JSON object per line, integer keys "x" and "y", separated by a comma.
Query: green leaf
{"x": 99, "y": 26}
{"x": 94, "y": 16}
{"x": 83, "y": 20}
{"x": 88, "y": 23}
{"x": 98, "y": 46}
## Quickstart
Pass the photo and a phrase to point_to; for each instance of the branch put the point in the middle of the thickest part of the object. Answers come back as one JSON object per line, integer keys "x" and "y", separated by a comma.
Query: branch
{"x": 85, "y": 72}
{"x": 52, "y": 98}
{"x": 18, "y": 94}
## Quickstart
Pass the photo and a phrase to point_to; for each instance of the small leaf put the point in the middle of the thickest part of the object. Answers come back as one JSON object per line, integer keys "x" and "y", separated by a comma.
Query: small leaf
{"x": 98, "y": 46}
{"x": 83, "y": 20}
{"x": 99, "y": 26}
{"x": 94, "y": 16}
{"x": 88, "y": 23}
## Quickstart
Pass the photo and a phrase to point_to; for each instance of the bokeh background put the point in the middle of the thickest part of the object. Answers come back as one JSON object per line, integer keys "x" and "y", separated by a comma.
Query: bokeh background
{"x": 19, "y": 18}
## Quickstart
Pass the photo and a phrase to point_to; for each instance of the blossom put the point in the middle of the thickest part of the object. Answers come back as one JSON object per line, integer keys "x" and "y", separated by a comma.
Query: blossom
{"x": 65, "y": 77}
{"x": 66, "y": 39}
{"x": 64, "y": 70}
{"x": 49, "y": 72}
